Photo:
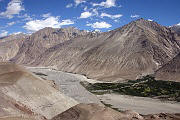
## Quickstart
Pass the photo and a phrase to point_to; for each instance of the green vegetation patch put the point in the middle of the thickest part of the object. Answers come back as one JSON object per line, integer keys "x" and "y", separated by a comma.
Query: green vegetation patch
{"x": 145, "y": 87}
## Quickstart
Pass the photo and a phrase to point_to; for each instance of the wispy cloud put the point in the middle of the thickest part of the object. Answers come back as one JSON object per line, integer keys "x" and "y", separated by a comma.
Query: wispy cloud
{"x": 135, "y": 16}
{"x": 10, "y": 23}
{"x": 85, "y": 14}
{"x": 3, "y": 33}
{"x": 26, "y": 17}
{"x": 111, "y": 16}
{"x": 106, "y": 4}
{"x": 66, "y": 22}
{"x": 46, "y": 15}
{"x": 77, "y": 2}
{"x": 99, "y": 25}
{"x": 150, "y": 19}
{"x": 14, "y": 7}
{"x": 16, "y": 33}
{"x": 69, "y": 5}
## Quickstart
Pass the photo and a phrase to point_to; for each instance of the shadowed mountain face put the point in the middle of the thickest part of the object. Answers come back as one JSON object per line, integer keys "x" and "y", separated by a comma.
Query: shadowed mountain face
{"x": 24, "y": 94}
{"x": 129, "y": 52}
{"x": 170, "y": 71}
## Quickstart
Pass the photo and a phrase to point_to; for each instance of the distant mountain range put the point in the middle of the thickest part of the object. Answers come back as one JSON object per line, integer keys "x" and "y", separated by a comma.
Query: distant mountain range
{"x": 137, "y": 49}
{"x": 176, "y": 28}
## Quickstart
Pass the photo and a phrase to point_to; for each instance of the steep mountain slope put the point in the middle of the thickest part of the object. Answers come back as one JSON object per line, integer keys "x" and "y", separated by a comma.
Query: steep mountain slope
{"x": 9, "y": 46}
{"x": 170, "y": 71}
{"x": 24, "y": 94}
{"x": 46, "y": 38}
{"x": 136, "y": 49}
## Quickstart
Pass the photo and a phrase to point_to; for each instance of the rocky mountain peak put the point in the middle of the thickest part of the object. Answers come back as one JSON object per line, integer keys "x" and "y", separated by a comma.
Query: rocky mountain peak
{"x": 146, "y": 24}
{"x": 176, "y": 28}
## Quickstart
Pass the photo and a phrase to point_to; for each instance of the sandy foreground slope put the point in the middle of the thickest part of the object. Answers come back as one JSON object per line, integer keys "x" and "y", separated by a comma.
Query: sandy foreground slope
{"x": 25, "y": 96}
{"x": 23, "y": 93}
{"x": 95, "y": 112}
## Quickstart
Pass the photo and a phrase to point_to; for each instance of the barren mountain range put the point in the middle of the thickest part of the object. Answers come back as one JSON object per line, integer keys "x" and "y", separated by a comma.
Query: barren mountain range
{"x": 137, "y": 49}
{"x": 134, "y": 50}
{"x": 176, "y": 28}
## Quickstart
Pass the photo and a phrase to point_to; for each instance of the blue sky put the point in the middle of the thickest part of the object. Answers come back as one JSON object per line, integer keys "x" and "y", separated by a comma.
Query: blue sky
{"x": 31, "y": 15}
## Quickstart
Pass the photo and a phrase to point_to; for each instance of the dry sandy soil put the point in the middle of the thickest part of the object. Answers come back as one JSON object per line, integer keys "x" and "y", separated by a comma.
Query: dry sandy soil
{"x": 95, "y": 112}
{"x": 141, "y": 105}
{"x": 68, "y": 83}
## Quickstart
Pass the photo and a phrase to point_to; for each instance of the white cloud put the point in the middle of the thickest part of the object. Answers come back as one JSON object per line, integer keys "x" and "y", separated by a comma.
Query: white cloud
{"x": 150, "y": 20}
{"x": 69, "y": 5}
{"x": 51, "y": 21}
{"x": 99, "y": 25}
{"x": 36, "y": 25}
{"x": 25, "y": 17}
{"x": 111, "y": 16}
{"x": 135, "y": 16}
{"x": 10, "y": 23}
{"x": 16, "y": 33}
{"x": 95, "y": 11}
{"x": 66, "y": 22}
{"x": 3, "y": 33}
{"x": 46, "y": 15}
{"x": 97, "y": 30}
{"x": 85, "y": 8}
{"x": 85, "y": 15}
{"x": 116, "y": 21}
{"x": 77, "y": 2}
{"x": 178, "y": 24}
{"x": 106, "y": 4}
{"x": 14, "y": 7}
